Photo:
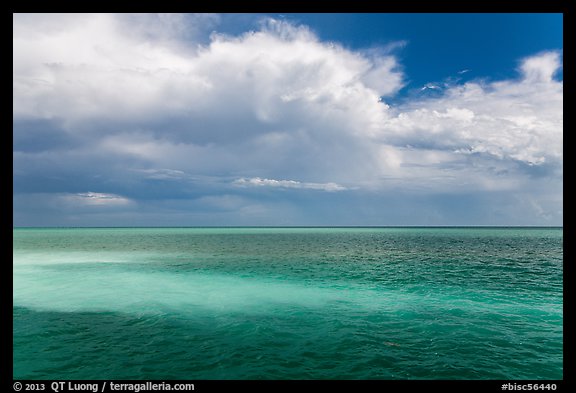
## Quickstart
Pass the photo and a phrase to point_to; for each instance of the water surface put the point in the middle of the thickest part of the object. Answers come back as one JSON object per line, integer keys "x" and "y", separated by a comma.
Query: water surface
{"x": 288, "y": 303}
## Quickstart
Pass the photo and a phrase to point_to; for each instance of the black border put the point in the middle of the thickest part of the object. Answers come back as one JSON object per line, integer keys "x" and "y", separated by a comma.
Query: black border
{"x": 321, "y": 6}
{"x": 298, "y": 6}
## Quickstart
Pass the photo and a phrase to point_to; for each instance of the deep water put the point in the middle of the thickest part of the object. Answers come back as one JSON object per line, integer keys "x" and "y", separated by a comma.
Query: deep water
{"x": 288, "y": 303}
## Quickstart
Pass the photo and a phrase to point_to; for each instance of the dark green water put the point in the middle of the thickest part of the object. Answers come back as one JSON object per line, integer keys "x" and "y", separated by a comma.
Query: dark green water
{"x": 288, "y": 303}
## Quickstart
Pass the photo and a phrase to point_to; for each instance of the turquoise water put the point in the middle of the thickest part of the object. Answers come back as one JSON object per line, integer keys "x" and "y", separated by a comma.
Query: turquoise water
{"x": 288, "y": 303}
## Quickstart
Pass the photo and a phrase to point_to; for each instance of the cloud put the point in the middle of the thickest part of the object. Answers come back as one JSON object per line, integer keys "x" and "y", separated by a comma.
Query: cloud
{"x": 258, "y": 182}
{"x": 96, "y": 199}
{"x": 148, "y": 109}
{"x": 88, "y": 66}
{"x": 162, "y": 174}
{"x": 541, "y": 68}
{"x": 80, "y": 66}
{"x": 520, "y": 121}
{"x": 234, "y": 102}
{"x": 430, "y": 86}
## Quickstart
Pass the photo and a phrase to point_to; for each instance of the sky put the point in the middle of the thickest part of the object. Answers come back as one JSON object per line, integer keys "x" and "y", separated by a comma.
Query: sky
{"x": 287, "y": 119}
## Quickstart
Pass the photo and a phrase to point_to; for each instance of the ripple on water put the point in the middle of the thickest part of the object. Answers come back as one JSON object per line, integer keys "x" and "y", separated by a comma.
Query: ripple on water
{"x": 297, "y": 304}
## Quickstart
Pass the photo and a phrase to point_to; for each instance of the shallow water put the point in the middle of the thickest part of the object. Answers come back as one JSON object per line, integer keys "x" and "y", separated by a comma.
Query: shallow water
{"x": 288, "y": 303}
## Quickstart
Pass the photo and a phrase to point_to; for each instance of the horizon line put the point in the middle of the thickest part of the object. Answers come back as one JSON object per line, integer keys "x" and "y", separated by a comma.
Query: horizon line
{"x": 285, "y": 226}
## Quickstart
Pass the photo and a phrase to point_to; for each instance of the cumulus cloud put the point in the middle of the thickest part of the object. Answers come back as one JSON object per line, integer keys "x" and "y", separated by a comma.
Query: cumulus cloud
{"x": 263, "y": 96}
{"x": 81, "y": 67}
{"x": 540, "y": 68}
{"x": 120, "y": 103}
{"x": 511, "y": 123}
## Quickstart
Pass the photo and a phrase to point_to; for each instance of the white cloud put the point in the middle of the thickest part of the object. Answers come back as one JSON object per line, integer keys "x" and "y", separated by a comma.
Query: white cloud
{"x": 80, "y": 66}
{"x": 84, "y": 66}
{"x": 236, "y": 102}
{"x": 258, "y": 182}
{"x": 541, "y": 68}
{"x": 430, "y": 86}
{"x": 508, "y": 120}
{"x": 96, "y": 199}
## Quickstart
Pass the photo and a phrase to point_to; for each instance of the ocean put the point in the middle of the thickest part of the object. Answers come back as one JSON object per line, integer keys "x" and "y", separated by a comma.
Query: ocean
{"x": 288, "y": 303}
